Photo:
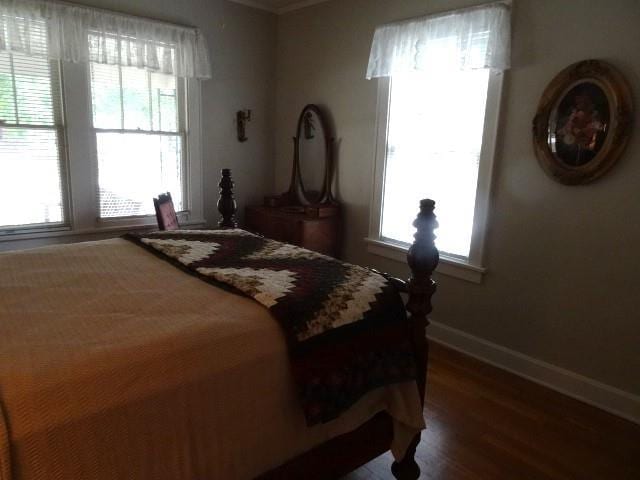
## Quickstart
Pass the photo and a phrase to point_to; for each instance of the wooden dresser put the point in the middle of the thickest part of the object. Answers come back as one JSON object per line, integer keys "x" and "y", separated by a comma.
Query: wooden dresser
{"x": 319, "y": 234}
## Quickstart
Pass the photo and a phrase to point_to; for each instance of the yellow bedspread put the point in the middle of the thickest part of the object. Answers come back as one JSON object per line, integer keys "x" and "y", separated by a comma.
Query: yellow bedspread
{"x": 116, "y": 365}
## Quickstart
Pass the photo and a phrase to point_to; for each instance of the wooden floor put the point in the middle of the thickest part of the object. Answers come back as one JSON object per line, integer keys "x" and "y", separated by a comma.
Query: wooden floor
{"x": 485, "y": 423}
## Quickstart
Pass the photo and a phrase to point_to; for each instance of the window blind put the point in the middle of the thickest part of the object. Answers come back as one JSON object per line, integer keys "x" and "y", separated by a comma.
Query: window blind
{"x": 433, "y": 150}
{"x": 138, "y": 134}
{"x": 31, "y": 184}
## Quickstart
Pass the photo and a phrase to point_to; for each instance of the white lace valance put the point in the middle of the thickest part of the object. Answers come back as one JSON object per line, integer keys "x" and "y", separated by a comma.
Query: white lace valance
{"x": 74, "y": 33}
{"x": 473, "y": 38}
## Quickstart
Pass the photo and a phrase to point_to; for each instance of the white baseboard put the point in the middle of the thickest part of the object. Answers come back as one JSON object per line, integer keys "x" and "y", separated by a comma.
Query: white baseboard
{"x": 598, "y": 394}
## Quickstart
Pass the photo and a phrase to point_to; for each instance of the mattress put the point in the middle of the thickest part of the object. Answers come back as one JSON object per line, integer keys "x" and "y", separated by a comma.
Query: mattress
{"x": 115, "y": 364}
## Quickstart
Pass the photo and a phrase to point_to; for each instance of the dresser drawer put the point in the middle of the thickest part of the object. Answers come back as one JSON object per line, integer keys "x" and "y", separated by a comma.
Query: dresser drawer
{"x": 319, "y": 234}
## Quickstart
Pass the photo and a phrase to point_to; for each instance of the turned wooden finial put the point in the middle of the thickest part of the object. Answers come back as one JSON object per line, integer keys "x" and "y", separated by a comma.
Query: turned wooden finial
{"x": 226, "y": 203}
{"x": 423, "y": 259}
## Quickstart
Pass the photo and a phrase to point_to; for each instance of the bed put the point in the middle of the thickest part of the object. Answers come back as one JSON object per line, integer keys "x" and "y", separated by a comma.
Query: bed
{"x": 115, "y": 364}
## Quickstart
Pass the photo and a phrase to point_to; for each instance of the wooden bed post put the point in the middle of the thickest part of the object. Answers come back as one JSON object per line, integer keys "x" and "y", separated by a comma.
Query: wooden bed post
{"x": 226, "y": 203}
{"x": 422, "y": 259}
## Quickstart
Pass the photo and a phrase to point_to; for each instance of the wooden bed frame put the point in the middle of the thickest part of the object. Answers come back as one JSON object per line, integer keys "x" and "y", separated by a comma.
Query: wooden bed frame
{"x": 345, "y": 453}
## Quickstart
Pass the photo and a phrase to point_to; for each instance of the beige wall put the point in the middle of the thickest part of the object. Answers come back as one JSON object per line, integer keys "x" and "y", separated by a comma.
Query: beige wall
{"x": 242, "y": 46}
{"x": 563, "y": 283}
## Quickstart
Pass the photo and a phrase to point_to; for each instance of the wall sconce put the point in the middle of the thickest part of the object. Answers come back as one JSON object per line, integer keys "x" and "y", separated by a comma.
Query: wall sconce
{"x": 242, "y": 117}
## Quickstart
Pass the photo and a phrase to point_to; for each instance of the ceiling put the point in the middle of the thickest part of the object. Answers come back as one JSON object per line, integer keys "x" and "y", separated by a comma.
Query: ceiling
{"x": 278, "y": 6}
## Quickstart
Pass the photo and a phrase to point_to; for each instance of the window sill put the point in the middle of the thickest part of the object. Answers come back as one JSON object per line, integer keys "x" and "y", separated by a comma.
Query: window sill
{"x": 450, "y": 266}
{"x": 67, "y": 232}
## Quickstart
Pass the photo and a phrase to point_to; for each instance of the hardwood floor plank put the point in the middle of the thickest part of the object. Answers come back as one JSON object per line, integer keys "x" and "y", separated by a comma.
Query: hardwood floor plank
{"x": 484, "y": 423}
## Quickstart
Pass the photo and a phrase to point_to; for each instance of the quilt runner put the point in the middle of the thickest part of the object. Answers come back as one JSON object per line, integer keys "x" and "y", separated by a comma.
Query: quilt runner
{"x": 345, "y": 325}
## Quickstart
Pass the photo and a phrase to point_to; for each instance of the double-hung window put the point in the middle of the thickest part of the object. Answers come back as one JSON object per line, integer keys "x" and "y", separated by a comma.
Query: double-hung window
{"x": 32, "y": 180}
{"x": 438, "y": 109}
{"x": 99, "y": 113}
{"x": 139, "y": 127}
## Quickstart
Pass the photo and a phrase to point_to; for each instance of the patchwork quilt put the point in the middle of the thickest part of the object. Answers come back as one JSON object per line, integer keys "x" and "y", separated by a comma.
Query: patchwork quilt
{"x": 345, "y": 326}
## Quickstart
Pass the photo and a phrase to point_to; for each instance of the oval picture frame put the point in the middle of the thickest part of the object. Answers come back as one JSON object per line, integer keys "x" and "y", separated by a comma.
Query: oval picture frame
{"x": 583, "y": 122}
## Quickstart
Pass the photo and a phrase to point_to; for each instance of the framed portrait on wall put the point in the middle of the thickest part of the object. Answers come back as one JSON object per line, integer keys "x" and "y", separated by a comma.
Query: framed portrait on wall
{"x": 583, "y": 122}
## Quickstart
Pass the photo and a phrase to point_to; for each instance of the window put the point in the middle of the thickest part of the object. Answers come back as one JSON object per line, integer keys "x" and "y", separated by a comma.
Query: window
{"x": 433, "y": 150}
{"x": 32, "y": 186}
{"x": 99, "y": 113}
{"x": 438, "y": 109}
{"x": 137, "y": 122}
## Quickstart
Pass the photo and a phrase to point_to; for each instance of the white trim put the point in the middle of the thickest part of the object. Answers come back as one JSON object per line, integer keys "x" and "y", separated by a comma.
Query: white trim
{"x": 450, "y": 266}
{"x": 193, "y": 133}
{"x": 382, "y": 132}
{"x": 459, "y": 269}
{"x": 82, "y": 177}
{"x": 111, "y": 229}
{"x": 81, "y": 146}
{"x": 279, "y": 10}
{"x": 485, "y": 166}
{"x": 593, "y": 392}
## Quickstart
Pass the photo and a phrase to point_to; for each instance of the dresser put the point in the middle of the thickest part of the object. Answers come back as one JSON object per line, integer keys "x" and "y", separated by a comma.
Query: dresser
{"x": 297, "y": 227}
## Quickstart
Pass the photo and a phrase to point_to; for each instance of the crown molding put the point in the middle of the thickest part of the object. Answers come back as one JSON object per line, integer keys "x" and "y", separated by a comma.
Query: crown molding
{"x": 281, "y": 10}
{"x": 298, "y": 6}
{"x": 252, "y": 4}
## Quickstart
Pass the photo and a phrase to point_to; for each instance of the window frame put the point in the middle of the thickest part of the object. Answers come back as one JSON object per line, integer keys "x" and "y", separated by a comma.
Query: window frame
{"x": 472, "y": 268}
{"x": 59, "y": 127}
{"x": 79, "y": 177}
{"x": 189, "y": 119}
{"x": 181, "y": 131}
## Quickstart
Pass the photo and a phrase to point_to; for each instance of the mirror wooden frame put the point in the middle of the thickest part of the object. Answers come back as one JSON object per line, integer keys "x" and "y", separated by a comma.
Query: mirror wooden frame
{"x": 620, "y": 106}
{"x": 296, "y": 194}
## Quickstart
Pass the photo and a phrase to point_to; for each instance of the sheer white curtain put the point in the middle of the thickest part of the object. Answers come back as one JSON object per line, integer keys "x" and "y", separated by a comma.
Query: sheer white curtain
{"x": 473, "y": 38}
{"x": 146, "y": 44}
